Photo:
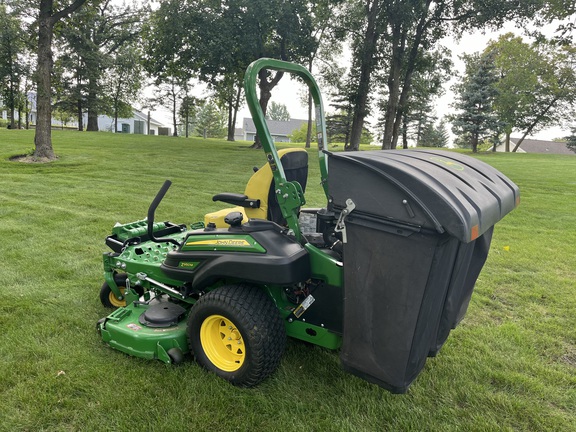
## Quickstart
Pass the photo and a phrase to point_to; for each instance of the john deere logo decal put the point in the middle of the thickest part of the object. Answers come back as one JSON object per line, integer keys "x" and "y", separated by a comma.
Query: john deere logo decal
{"x": 223, "y": 242}
{"x": 448, "y": 163}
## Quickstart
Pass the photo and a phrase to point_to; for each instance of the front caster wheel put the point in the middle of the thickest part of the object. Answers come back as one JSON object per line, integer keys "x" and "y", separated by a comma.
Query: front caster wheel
{"x": 107, "y": 296}
{"x": 236, "y": 332}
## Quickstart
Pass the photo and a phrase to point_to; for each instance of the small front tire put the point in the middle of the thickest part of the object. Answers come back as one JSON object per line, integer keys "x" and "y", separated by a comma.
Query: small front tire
{"x": 107, "y": 296}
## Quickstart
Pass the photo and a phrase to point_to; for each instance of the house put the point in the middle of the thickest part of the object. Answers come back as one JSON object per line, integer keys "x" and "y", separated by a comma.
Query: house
{"x": 537, "y": 146}
{"x": 137, "y": 124}
{"x": 279, "y": 130}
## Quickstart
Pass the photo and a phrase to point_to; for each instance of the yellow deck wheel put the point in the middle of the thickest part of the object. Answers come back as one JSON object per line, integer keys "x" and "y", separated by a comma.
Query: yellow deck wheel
{"x": 114, "y": 301}
{"x": 107, "y": 296}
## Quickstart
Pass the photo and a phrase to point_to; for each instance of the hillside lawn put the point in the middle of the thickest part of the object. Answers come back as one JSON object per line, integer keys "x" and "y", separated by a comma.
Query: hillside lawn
{"x": 510, "y": 365}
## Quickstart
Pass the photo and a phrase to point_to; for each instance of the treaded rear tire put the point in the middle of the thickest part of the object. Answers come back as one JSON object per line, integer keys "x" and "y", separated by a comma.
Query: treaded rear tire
{"x": 252, "y": 315}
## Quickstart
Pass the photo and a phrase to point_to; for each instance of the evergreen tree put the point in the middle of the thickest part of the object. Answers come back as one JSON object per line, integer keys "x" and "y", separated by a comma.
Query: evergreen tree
{"x": 571, "y": 140}
{"x": 476, "y": 119}
{"x": 211, "y": 121}
{"x": 434, "y": 135}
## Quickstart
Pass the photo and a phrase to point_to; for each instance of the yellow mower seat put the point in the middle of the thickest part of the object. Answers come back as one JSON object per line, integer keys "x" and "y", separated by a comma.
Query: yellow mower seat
{"x": 259, "y": 199}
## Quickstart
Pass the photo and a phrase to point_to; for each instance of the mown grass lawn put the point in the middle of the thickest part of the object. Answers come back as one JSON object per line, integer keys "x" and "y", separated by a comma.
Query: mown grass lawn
{"x": 510, "y": 365}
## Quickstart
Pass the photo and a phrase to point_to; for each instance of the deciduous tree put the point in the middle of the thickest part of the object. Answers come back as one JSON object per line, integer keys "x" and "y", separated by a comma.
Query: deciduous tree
{"x": 278, "y": 112}
{"x": 393, "y": 35}
{"x": 90, "y": 48}
{"x": 536, "y": 84}
{"x": 12, "y": 65}
{"x": 214, "y": 39}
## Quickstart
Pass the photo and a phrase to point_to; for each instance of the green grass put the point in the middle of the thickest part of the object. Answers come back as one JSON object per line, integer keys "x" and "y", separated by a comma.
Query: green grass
{"x": 510, "y": 365}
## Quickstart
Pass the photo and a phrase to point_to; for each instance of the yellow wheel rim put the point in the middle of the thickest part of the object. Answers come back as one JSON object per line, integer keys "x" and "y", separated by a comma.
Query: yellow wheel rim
{"x": 114, "y": 301}
{"x": 222, "y": 343}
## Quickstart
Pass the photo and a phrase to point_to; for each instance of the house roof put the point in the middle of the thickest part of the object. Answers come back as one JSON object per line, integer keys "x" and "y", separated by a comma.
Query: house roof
{"x": 542, "y": 146}
{"x": 282, "y": 128}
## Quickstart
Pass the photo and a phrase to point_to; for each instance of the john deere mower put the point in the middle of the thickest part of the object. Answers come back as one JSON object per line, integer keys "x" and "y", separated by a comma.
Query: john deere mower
{"x": 382, "y": 273}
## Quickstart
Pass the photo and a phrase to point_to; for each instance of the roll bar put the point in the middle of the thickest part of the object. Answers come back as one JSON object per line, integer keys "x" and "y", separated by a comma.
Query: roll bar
{"x": 289, "y": 194}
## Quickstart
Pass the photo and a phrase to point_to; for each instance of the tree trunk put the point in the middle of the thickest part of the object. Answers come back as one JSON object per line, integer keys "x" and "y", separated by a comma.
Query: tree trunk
{"x": 367, "y": 63}
{"x": 27, "y": 113}
{"x": 174, "y": 119}
{"x": 398, "y": 46}
{"x": 231, "y": 125}
{"x": 236, "y": 105}
{"x": 230, "y": 111}
{"x": 12, "y": 117}
{"x": 309, "y": 130}
{"x": 92, "y": 125}
{"x": 46, "y": 20}
{"x": 474, "y": 143}
{"x": 405, "y": 133}
{"x": 398, "y": 106}
{"x": 43, "y": 135}
{"x": 79, "y": 115}
{"x": 265, "y": 95}
{"x": 507, "y": 145}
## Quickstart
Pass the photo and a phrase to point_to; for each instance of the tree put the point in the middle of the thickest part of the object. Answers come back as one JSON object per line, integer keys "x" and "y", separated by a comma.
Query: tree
{"x": 211, "y": 121}
{"x": 475, "y": 95}
{"x": 555, "y": 97}
{"x": 216, "y": 39}
{"x": 47, "y": 19}
{"x": 299, "y": 135}
{"x": 427, "y": 85}
{"x": 571, "y": 140}
{"x": 188, "y": 112}
{"x": 122, "y": 82}
{"x": 90, "y": 53}
{"x": 328, "y": 50}
{"x": 434, "y": 135}
{"x": 278, "y": 112}
{"x": 536, "y": 85}
{"x": 393, "y": 35}
{"x": 229, "y": 94}
{"x": 171, "y": 91}
{"x": 338, "y": 127}
{"x": 12, "y": 66}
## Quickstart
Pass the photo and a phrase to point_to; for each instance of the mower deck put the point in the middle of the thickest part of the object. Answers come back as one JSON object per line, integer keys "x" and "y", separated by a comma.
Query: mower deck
{"x": 156, "y": 330}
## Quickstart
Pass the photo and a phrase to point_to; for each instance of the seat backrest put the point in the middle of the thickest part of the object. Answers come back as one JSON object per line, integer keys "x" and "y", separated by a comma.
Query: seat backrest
{"x": 261, "y": 184}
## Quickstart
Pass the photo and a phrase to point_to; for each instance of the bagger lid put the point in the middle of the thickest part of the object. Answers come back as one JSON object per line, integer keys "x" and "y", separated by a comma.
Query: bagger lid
{"x": 440, "y": 190}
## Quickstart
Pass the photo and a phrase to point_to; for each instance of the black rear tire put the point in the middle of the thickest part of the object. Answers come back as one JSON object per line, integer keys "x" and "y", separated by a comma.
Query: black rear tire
{"x": 236, "y": 332}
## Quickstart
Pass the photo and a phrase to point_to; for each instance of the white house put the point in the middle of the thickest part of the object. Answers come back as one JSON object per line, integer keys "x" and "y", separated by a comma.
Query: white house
{"x": 137, "y": 124}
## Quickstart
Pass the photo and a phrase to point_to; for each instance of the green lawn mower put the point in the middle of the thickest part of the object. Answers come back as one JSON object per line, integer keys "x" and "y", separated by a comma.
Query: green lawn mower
{"x": 382, "y": 273}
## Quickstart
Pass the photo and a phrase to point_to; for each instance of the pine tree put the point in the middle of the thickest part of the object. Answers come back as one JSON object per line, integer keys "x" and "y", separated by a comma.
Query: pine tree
{"x": 571, "y": 140}
{"x": 476, "y": 120}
